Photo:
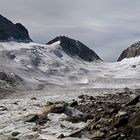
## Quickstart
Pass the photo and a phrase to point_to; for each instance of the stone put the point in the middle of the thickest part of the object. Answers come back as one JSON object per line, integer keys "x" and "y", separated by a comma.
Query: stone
{"x": 49, "y": 103}
{"x": 134, "y": 66}
{"x": 31, "y": 136}
{"x": 75, "y": 119}
{"x": 14, "y": 134}
{"x": 36, "y": 129}
{"x": 24, "y": 109}
{"x": 81, "y": 96}
{"x": 120, "y": 121}
{"x": 33, "y": 98}
{"x": 10, "y": 31}
{"x": 97, "y": 134}
{"x": 3, "y": 108}
{"x": 12, "y": 138}
{"x": 128, "y": 91}
{"x": 31, "y": 118}
{"x": 134, "y": 101}
{"x": 68, "y": 111}
{"x": 104, "y": 129}
{"x": 121, "y": 114}
{"x": 54, "y": 108}
{"x": 15, "y": 103}
{"x": 58, "y": 108}
{"x": 135, "y": 120}
{"x": 113, "y": 137}
{"x": 6, "y": 137}
{"x": 61, "y": 136}
{"x": 73, "y": 104}
{"x": 91, "y": 98}
{"x": 42, "y": 118}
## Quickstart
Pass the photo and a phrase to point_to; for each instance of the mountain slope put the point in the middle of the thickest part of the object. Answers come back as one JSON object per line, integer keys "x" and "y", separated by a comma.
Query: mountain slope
{"x": 75, "y": 48}
{"x": 132, "y": 51}
{"x": 10, "y": 31}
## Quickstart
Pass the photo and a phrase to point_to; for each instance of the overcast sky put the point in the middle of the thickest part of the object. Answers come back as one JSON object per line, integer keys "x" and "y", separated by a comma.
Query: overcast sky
{"x": 106, "y": 26}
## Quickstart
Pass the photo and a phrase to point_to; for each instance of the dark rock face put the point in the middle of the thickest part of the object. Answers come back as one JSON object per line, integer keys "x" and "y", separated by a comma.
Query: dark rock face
{"x": 132, "y": 51}
{"x": 10, "y": 31}
{"x": 75, "y": 48}
{"x": 11, "y": 79}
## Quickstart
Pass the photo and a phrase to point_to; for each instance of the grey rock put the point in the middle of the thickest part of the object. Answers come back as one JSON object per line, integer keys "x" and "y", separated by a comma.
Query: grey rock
{"x": 97, "y": 134}
{"x": 31, "y": 118}
{"x": 73, "y": 104}
{"x": 14, "y": 134}
{"x": 54, "y": 108}
{"x": 119, "y": 122}
{"x": 134, "y": 101}
{"x": 3, "y": 108}
{"x": 61, "y": 136}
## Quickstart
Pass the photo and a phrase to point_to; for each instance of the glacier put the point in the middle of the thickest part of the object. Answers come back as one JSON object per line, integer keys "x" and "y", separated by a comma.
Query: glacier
{"x": 43, "y": 66}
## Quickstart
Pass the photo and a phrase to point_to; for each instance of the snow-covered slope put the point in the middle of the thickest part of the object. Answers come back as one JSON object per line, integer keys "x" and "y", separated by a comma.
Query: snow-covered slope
{"x": 43, "y": 66}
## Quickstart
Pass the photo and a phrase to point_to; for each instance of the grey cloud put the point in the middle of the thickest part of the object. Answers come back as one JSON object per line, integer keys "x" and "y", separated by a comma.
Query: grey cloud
{"x": 106, "y": 26}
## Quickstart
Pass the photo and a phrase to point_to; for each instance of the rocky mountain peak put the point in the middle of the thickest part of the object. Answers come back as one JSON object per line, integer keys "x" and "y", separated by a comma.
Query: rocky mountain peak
{"x": 132, "y": 51}
{"x": 75, "y": 48}
{"x": 11, "y": 31}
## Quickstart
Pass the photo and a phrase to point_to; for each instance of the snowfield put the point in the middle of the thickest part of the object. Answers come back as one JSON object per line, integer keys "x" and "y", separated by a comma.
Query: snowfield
{"x": 51, "y": 75}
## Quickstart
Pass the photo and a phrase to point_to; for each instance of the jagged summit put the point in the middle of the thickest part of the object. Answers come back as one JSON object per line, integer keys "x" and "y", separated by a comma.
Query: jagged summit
{"x": 11, "y": 31}
{"x": 75, "y": 48}
{"x": 132, "y": 51}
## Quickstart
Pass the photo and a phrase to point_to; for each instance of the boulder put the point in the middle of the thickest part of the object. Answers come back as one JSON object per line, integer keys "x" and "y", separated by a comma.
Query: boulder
{"x": 54, "y": 108}
{"x": 97, "y": 134}
{"x": 135, "y": 121}
{"x": 73, "y": 104}
{"x": 31, "y": 118}
{"x": 134, "y": 101}
{"x": 61, "y": 136}
{"x": 14, "y": 134}
{"x": 120, "y": 121}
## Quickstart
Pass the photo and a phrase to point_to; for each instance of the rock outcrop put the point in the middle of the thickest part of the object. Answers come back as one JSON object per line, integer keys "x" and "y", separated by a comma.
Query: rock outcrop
{"x": 75, "y": 48}
{"x": 132, "y": 51}
{"x": 10, "y": 31}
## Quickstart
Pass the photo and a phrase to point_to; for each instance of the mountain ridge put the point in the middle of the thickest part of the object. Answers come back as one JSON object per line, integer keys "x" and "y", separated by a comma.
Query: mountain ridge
{"x": 132, "y": 51}
{"x": 75, "y": 48}
{"x": 15, "y": 32}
